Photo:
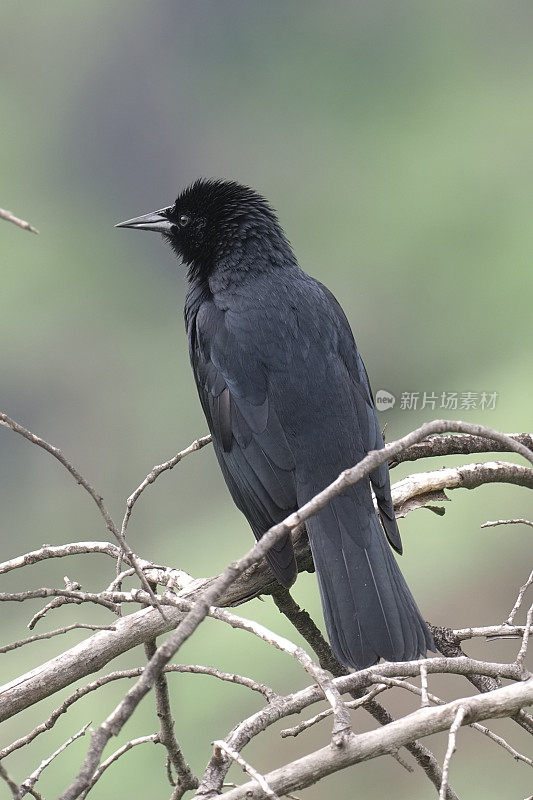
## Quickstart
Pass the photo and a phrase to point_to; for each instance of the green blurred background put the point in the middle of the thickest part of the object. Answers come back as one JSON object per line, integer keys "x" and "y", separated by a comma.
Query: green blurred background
{"x": 395, "y": 140}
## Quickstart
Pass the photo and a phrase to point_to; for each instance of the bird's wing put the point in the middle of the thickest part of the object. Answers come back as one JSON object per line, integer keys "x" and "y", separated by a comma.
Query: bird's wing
{"x": 372, "y": 437}
{"x": 250, "y": 444}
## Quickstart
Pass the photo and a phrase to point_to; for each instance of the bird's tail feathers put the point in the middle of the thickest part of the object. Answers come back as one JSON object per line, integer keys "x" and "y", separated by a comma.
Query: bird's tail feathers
{"x": 368, "y": 608}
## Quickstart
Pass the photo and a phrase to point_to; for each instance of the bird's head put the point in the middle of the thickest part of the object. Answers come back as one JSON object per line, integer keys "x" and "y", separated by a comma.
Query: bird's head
{"x": 211, "y": 222}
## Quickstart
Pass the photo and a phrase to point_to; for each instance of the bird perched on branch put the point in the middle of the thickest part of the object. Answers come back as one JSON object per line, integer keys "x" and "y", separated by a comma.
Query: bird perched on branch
{"x": 288, "y": 402}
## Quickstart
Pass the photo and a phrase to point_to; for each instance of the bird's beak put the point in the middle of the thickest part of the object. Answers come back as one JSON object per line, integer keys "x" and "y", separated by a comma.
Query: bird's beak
{"x": 156, "y": 221}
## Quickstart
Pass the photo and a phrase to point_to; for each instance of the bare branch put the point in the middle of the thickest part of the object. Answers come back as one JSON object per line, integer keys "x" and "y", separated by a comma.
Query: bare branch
{"x": 424, "y": 686}
{"x": 13, "y": 787}
{"x": 458, "y": 444}
{"x": 448, "y": 646}
{"x": 74, "y": 595}
{"x": 495, "y": 522}
{"x": 20, "y": 223}
{"x": 423, "y": 722}
{"x": 59, "y": 551}
{"x": 151, "y": 739}
{"x": 385, "y": 683}
{"x": 27, "y": 785}
{"x": 220, "y": 745}
{"x": 525, "y": 639}
{"x": 456, "y": 724}
{"x": 185, "y": 777}
{"x": 470, "y": 476}
{"x": 331, "y": 693}
{"x": 403, "y": 684}
{"x": 78, "y": 477}
{"x": 70, "y": 586}
{"x": 351, "y": 704}
{"x": 95, "y": 652}
{"x": 58, "y": 632}
{"x": 156, "y": 472}
{"x": 192, "y": 669}
{"x": 152, "y": 476}
{"x": 212, "y": 591}
{"x": 518, "y": 602}
{"x": 295, "y": 703}
{"x": 307, "y": 628}
{"x": 504, "y": 631}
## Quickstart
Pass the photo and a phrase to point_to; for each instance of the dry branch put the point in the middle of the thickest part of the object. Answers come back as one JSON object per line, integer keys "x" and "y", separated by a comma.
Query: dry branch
{"x": 20, "y": 223}
{"x": 458, "y": 444}
{"x": 185, "y": 777}
{"x": 138, "y": 628}
{"x": 98, "y": 499}
{"x": 191, "y": 669}
{"x": 311, "y": 633}
{"x": 315, "y": 766}
{"x": 454, "y": 727}
{"x": 27, "y": 785}
{"x": 248, "y": 577}
{"x": 150, "y": 739}
{"x": 221, "y": 746}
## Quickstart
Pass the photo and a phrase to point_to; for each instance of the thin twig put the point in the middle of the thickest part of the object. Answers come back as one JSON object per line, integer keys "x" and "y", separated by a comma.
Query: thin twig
{"x": 32, "y": 779}
{"x": 185, "y": 777}
{"x": 518, "y": 602}
{"x": 13, "y": 787}
{"x": 424, "y": 686}
{"x": 456, "y": 724}
{"x": 493, "y": 523}
{"x": 74, "y": 595}
{"x": 457, "y": 444}
{"x": 311, "y": 633}
{"x": 525, "y": 639}
{"x": 351, "y": 704}
{"x": 120, "y": 577}
{"x": 20, "y": 223}
{"x": 219, "y": 745}
{"x": 58, "y": 632}
{"x": 156, "y": 472}
{"x": 60, "y": 551}
{"x": 152, "y": 476}
{"x": 152, "y": 738}
{"x": 504, "y": 631}
{"x": 342, "y": 719}
{"x": 135, "y": 672}
{"x": 78, "y": 477}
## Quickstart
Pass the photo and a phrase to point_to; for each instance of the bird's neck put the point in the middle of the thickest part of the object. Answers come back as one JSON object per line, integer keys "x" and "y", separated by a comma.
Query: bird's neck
{"x": 249, "y": 260}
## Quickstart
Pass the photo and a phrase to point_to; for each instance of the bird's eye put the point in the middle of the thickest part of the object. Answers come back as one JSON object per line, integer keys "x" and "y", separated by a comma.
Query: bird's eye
{"x": 184, "y": 220}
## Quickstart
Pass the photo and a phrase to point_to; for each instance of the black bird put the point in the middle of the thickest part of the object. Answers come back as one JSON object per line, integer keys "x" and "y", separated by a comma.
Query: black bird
{"x": 288, "y": 401}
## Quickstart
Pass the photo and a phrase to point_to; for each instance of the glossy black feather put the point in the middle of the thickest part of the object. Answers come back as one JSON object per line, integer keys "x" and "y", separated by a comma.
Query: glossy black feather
{"x": 288, "y": 401}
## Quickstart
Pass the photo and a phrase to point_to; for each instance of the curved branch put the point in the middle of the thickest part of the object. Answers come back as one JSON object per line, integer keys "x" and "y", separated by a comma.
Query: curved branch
{"x": 423, "y": 488}
{"x": 424, "y": 722}
{"x": 135, "y": 629}
{"x": 456, "y": 445}
{"x": 98, "y": 499}
{"x": 190, "y": 669}
{"x": 59, "y": 551}
{"x": 211, "y": 592}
